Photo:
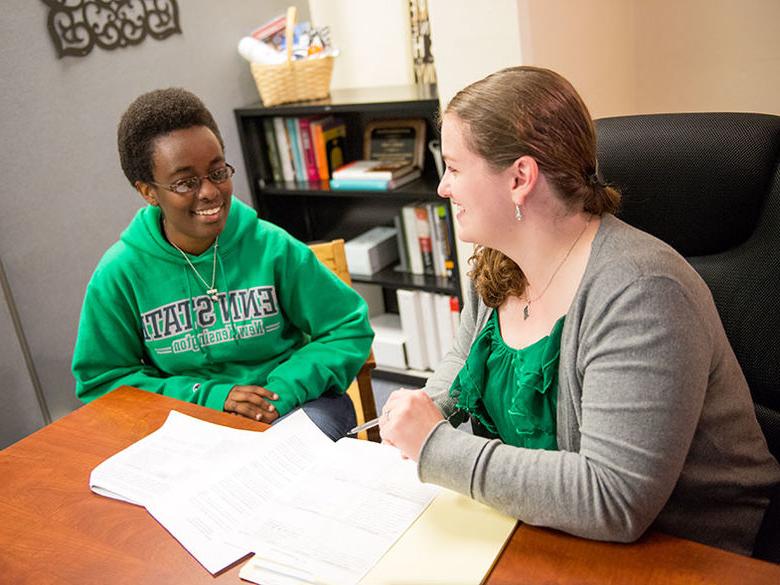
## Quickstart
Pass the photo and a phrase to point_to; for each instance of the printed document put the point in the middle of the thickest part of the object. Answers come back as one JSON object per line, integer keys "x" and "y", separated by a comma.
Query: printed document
{"x": 182, "y": 446}
{"x": 343, "y": 516}
{"x": 311, "y": 508}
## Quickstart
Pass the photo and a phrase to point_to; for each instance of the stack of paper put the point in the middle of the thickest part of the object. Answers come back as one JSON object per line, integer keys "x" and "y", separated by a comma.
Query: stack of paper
{"x": 307, "y": 505}
{"x": 337, "y": 524}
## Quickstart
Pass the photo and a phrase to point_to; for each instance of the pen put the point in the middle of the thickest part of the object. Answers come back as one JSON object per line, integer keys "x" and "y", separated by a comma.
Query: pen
{"x": 364, "y": 427}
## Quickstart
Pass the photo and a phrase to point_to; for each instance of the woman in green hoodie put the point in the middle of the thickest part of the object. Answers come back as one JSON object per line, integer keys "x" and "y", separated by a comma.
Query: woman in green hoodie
{"x": 202, "y": 301}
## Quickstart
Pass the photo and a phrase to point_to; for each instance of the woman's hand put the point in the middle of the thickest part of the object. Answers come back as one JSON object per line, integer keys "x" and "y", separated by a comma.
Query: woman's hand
{"x": 250, "y": 401}
{"x": 407, "y": 418}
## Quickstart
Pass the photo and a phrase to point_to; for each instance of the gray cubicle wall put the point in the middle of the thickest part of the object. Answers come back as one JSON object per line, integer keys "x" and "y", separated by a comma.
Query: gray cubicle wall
{"x": 21, "y": 412}
{"x": 63, "y": 197}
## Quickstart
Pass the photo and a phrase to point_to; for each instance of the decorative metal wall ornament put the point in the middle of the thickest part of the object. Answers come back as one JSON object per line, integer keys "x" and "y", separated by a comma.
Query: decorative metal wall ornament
{"x": 424, "y": 70}
{"x": 76, "y": 26}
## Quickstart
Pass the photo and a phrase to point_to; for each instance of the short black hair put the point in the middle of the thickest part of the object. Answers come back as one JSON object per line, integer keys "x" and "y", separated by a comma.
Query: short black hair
{"x": 152, "y": 115}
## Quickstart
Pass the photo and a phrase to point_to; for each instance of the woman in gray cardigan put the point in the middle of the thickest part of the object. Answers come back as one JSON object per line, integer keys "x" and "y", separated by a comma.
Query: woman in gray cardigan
{"x": 590, "y": 357}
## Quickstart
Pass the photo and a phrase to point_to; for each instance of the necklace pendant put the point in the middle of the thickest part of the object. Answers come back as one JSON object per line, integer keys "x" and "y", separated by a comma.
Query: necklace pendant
{"x": 212, "y": 292}
{"x": 525, "y": 313}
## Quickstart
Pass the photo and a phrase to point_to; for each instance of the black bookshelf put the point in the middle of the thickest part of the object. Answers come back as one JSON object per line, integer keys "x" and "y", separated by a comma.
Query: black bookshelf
{"x": 312, "y": 212}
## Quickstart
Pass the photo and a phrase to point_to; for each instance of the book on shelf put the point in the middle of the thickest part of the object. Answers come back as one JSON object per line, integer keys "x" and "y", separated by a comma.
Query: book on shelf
{"x": 428, "y": 326}
{"x": 409, "y": 221}
{"x": 442, "y": 242}
{"x": 455, "y": 314}
{"x": 295, "y": 147}
{"x": 444, "y": 324}
{"x": 433, "y": 222}
{"x": 273, "y": 154}
{"x": 356, "y": 184}
{"x": 318, "y": 141}
{"x": 424, "y": 238}
{"x": 309, "y": 158}
{"x": 388, "y": 344}
{"x": 334, "y": 135}
{"x": 373, "y": 169}
{"x": 403, "y": 254}
{"x": 410, "y": 312}
{"x": 283, "y": 149}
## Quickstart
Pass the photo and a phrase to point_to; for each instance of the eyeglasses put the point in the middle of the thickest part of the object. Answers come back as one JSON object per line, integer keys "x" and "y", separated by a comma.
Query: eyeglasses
{"x": 192, "y": 185}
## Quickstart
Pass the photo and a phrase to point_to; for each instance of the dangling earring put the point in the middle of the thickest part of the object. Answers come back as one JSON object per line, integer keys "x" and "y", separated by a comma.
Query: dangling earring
{"x": 518, "y": 213}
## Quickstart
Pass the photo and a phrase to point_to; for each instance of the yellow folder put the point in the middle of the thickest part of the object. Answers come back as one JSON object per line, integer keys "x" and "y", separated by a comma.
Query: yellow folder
{"x": 455, "y": 541}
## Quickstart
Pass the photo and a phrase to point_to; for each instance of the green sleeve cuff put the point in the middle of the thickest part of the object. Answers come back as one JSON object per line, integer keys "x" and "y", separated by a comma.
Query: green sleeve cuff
{"x": 287, "y": 400}
{"x": 217, "y": 395}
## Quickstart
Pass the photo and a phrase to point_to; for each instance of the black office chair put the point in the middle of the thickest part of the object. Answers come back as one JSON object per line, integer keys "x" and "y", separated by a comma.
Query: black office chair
{"x": 709, "y": 185}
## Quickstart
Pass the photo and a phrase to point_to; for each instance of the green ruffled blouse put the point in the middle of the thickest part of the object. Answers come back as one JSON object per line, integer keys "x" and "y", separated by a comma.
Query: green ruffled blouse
{"x": 513, "y": 393}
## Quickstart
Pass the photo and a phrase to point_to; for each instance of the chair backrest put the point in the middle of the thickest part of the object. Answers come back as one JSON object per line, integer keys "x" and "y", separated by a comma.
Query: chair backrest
{"x": 332, "y": 255}
{"x": 709, "y": 185}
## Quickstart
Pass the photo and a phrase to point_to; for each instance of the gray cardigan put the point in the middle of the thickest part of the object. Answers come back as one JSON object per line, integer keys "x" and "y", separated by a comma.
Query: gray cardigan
{"x": 655, "y": 420}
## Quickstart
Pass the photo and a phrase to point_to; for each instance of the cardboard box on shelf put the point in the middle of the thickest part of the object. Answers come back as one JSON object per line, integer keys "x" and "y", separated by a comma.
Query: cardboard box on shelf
{"x": 372, "y": 251}
{"x": 388, "y": 341}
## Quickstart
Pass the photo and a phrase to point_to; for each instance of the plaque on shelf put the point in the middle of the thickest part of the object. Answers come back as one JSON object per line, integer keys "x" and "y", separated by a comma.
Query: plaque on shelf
{"x": 401, "y": 141}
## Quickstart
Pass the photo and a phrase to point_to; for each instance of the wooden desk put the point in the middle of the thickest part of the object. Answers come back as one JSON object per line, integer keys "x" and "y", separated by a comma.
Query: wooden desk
{"x": 53, "y": 529}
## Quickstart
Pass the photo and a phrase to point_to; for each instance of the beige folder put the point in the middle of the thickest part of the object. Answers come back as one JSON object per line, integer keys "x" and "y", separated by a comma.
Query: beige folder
{"x": 455, "y": 541}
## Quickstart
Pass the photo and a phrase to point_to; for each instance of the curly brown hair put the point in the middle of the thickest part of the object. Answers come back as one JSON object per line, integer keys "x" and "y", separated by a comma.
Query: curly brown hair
{"x": 152, "y": 115}
{"x": 530, "y": 111}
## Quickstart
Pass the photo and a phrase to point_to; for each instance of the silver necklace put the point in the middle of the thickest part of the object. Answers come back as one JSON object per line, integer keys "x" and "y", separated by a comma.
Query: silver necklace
{"x": 211, "y": 290}
{"x": 528, "y": 302}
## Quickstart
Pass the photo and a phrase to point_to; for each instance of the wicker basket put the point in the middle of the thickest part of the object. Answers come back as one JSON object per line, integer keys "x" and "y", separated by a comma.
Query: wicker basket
{"x": 293, "y": 81}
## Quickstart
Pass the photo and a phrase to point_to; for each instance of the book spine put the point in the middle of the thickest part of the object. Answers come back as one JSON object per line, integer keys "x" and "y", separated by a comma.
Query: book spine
{"x": 320, "y": 154}
{"x": 455, "y": 314}
{"x": 283, "y": 148}
{"x": 424, "y": 238}
{"x": 403, "y": 254}
{"x": 446, "y": 243}
{"x": 295, "y": 148}
{"x": 354, "y": 171}
{"x": 304, "y": 130}
{"x": 411, "y": 324}
{"x": 358, "y": 185}
{"x": 412, "y": 244}
{"x": 433, "y": 222}
{"x": 271, "y": 149}
{"x": 428, "y": 313}
{"x": 444, "y": 323}
{"x": 334, "y": 136}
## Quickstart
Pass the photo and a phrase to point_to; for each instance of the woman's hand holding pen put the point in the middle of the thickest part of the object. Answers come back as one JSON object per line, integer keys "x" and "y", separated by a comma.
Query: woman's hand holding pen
{"x": 407, "y": 419}
{"x": 250, "y": 401}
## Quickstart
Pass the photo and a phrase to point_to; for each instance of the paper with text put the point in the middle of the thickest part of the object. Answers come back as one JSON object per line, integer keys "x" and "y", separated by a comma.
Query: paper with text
{"x": 347, "y": 511}
{"x": 217, "y": 515}
{"x": 180, "y": 447}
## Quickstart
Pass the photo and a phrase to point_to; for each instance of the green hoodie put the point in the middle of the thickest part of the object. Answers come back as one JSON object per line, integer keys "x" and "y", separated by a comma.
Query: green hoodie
{"x": 287, "y": 323}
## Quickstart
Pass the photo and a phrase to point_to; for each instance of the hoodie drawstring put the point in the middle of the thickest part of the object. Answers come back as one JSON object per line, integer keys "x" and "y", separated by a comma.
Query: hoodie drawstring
{"x": 236, "y": 338}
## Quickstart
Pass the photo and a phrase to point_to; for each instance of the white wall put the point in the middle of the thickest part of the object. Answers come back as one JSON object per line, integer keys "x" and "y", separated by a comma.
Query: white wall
{"x": 590, "y": 43}
{"x": 623, "y": 56}
{"x": 471, "y": 41}
{"x": 374, "y": 39}
{"x": 64, "y": 198}
{"x": 708, "y": 55}
{"x": 648, "y": 56}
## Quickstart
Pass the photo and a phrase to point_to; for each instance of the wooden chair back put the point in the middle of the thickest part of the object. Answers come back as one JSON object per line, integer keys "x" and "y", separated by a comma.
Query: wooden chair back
{"x": 332, "y": 255}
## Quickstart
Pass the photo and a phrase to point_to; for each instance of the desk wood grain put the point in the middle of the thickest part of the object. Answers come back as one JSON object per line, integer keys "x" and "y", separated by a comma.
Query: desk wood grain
{"x": 53, "y": 529}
